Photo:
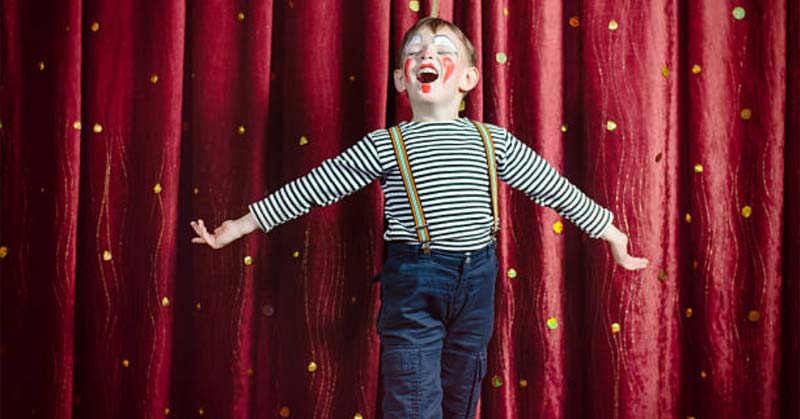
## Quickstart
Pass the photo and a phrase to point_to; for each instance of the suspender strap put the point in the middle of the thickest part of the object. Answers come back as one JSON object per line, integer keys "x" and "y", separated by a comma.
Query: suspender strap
{"x": 411, "y": 190}
{"x": 492, "y": 163}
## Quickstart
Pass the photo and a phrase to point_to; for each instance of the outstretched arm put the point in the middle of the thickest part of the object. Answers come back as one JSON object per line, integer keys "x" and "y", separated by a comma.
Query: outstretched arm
{"x": 227, "y": 232}
{"x": 619, "y": 248}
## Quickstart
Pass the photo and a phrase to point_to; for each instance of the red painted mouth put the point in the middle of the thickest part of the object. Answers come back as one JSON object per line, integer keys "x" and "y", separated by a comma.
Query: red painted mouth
{"x": 427, "y": 73}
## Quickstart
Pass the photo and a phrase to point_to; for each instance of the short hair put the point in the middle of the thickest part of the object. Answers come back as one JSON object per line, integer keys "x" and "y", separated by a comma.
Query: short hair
{"x": 434, "y": 23}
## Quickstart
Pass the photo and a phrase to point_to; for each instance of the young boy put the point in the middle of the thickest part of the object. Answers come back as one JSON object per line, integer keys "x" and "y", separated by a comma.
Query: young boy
{"x": 438, "y": 173}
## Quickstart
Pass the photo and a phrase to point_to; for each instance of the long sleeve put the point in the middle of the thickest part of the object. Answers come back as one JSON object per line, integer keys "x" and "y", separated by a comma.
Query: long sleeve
{"x": 525, "y": 170}
{"x": 327, "y": 183}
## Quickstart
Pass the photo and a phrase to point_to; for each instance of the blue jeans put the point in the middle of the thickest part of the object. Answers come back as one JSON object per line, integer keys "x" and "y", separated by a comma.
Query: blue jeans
{"x": 435, "y": 321}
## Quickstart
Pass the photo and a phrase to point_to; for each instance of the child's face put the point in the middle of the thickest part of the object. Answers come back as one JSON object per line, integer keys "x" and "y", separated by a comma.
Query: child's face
{"x": 435, "y": 68}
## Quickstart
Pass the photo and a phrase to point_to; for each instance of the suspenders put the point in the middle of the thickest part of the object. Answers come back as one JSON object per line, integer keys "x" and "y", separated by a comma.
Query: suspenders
{"x": 420, "y": 223}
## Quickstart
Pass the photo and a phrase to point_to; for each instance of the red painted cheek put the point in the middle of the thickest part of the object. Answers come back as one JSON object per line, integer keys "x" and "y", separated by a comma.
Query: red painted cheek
{"x": 426, "y": 87}
{"x": 406, "y": 65}
{"x": 449, "y": 67}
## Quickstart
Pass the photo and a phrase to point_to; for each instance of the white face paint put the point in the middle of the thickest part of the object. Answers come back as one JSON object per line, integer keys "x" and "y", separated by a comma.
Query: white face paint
{"x": 445, "y": 45}
{"x": 414, "y": 45}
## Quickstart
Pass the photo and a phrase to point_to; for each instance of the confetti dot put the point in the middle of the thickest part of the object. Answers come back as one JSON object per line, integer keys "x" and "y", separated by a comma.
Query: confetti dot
{"x": 558, "y": 227}
{"x": 352, "y": 77}
{"x": 747, "y": 211}
{"x": 240, "y": 130}
{"x": 240, "y": 16}
{"x": 753, "y": 316}
{"x": 523, "y": 383}
{"x": 1, "y": 124}
{"x": 154, "y": 78}
{"x": 77, "y": 125}
{"x": 665, "y": 71}
{"x": 268, "y": 310}
{"x": 126, "y": 363}
{"x": 291, "y": 4}
{"x": 40, "y": 65}
{"x": 694, "y": 264}
{"x": 67, "y": 28}
{"x": 696, "y": 69}
{"x": 165, "y": 302}
{"x": 613, "y": 25}
{"x": 3, "y": 252}
{"x": 574, "y": 21}
{"x": 249, "y": 372}
{"x": 512, "y": 273}
{"x": 611, "y": 125}
{"x": 198, "y": 306}
{"x": 698, "y": 168}
{"x": 413, "y": 5}
{"x": 497, "y": 381}
{"x": 687, "y": 217}
{"x": 200, "y": 411}
{"x": 615, "y": 328}
{"x": 167, "y": 411}
{"x": 157, "y": 188}
{"x": 95, "y": 26}
{"x": 746, "y": 114}
{"x": 97, "y": 128}
{"x": 659, "y": 156}
{"x": 196, "y": 191}
{"x": 703, "y": 375}
{"x": 248, "y": 260}
{"x": 353, "y": 300}
{"x": 284, "y": 412}
{"x": 689, "y": 312}
{"x": 505, "y": 11}
{"x": 564, "y": 127}
{"x": 295, "y": 254}
{"x": 106, "y": 255}
{"x": 303, "y": 140}
{"x": 358, "y": 416}
{"x": 690, "y": 417}
{"x": 501, "y": 57}
{"x": 738, "y": 12}
{"x": 312, "y": 366}
{"x": 552, "y": 323}
{"x": 662, "y": 276}
{"x": 462, "y": 106}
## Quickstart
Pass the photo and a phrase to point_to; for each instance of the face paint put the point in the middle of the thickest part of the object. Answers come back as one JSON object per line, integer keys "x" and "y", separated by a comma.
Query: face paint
{"x": 413, "y": 45}
{"x": 446, "y": 45}
{"x": 426, "y": 87}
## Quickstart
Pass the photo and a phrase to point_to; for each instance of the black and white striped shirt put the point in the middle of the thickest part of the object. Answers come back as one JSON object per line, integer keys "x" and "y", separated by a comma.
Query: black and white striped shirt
{"x": 448, "y": 162}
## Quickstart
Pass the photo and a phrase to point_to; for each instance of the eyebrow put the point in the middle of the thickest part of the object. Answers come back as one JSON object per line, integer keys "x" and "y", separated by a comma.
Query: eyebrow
{"x": 444, "y": 39}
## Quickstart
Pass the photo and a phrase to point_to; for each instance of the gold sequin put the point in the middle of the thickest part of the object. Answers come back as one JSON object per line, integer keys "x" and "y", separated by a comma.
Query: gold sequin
{"x": 248, "y": 260}
{"x": 523, "y": 383}
{"x": 303, "y": 140}
{"x": 295, "y": 254}
{"x": 97, "y": 128}
{"x": 291, "y": 4}
{"x": 358, "y": 416}
{"x": 166, "y": 411}
{"x": 746, "y": 114}
{"x": 198, "y": 306}
{"x": 106, "y": 255}
{"x": 662, "y": 276}
{"x": 201, "y": 412}
{"x": 157, "y": 188}
{"x": 615, "y": 327}
{"x": 462, "y": 106}
{"x": 413, "y": 5}
{"x": 501, "y": 57}
{"x": 352, "y": 77}
{"x": 1, "y": 124}
{"x": 497, "y": 381}
{"x": 95, "y": 26}
{"x": 312, "y": 366}
{"x": 126, "y": 363}
{"x": 240, "y": 16}
{"x": 353, "y": 300}
{"x": 40, "y": 65}
{"x": 165, "y": 302}
{"x": 249, "y": 372}
{"x": 747, "y": 211}
{"x": 690, "y": 417}
{"x": 564, "y": 127}
{"x": 512, "y": 273}
{"x": 505, "y": 11}
{"x": 696, "y": 69}
{"x": 738, "y": 13}
{"x": 3, "y": 252}
{"x": 574, "y": 21}
{"x": 77, "y": 125}
{"x": 196, "y": 191}
{"x": 689, "y": 312}
{"x": 665, "y": 71}
{"x": 703, "y": 375}
{"x": 688, "y": 217}
{"x": 611, "y": 125}
{"x": 613, "y": 25}
{"x": 154, "y": 78}
{"x": 753, "y": 316}
{"x": 558, "y": 227}
{"x": 284, "y": 412}
{"x": 698, "y": 168}
{"x": 240, "y": 130}
{"x": 552, "y": 323}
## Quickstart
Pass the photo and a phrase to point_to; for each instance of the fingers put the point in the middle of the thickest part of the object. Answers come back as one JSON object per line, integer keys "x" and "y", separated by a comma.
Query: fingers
{"x": 201, "y": 231}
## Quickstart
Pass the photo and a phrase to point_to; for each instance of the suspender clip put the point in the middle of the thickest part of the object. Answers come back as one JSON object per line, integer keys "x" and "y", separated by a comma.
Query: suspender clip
{"x": 426, "y": 248}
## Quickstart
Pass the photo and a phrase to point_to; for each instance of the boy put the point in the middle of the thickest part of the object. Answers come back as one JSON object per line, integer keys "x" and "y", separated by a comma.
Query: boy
{"x": 438, "y": 173}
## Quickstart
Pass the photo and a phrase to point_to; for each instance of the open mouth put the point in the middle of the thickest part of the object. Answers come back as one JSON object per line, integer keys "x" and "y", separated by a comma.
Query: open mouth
{"x": 427, "y": 75}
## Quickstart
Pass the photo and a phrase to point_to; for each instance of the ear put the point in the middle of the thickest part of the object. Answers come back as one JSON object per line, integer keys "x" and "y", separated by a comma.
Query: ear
{"x": 399, "y": 80}
{"x": 471, "y": 77}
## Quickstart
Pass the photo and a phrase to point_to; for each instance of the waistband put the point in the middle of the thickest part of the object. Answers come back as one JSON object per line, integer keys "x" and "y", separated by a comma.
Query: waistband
{"x": 442, "y": 256}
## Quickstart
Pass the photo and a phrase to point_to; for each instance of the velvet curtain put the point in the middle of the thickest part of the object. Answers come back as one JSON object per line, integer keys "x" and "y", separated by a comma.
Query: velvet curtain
{"x": 123, "y": 120}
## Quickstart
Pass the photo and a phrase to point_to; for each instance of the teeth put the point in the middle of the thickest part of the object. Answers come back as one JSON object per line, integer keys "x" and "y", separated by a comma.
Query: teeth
{"x": 428, "y": 70}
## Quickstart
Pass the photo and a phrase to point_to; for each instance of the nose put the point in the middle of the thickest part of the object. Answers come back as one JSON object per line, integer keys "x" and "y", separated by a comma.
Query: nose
{"x": 427, "y": 51}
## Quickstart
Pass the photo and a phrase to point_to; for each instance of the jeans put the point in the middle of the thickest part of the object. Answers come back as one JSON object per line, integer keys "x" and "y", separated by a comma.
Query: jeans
{"x": 435, "y": 321}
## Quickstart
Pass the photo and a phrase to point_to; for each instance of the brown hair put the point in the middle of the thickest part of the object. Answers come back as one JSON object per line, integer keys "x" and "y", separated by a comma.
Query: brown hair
{"x": 434, "y": 23}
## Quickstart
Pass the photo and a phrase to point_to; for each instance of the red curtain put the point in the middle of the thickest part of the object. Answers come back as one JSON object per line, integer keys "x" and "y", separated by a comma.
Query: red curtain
{"x": 123, "y": 120}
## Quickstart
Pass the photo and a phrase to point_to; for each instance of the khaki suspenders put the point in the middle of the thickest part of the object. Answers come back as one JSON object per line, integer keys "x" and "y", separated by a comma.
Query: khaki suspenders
{"x": 411, "y": 190}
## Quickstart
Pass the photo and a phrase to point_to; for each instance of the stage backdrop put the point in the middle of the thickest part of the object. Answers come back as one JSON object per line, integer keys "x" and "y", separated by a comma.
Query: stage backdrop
{"x": 122, "y": 120}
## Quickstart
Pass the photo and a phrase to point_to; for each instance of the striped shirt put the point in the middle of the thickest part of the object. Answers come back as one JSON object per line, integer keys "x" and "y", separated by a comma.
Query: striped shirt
{"x": 448, "y": 161}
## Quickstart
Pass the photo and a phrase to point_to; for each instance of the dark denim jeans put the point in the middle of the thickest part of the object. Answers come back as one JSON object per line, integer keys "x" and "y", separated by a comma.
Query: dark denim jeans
{"x": 435, "y": 321}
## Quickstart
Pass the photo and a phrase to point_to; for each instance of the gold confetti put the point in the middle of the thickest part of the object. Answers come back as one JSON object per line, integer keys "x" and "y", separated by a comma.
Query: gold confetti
{"x": 696, "y": 69}
{"x": 40, "y": 65}
{"x": 312, "y": 366}
{"x": 249, "y": 372}
{"x": 303, "y": 140}
{"x": 240, "y": 16}
{"x": 157, "y": 188}
{"x": 501, "y": 57}
{"x": 166, "y": 412}
{"x": 738, "y": 12}
{"x": 66, "y": 28}
{"x": 694, "y": 264}
{"x": 558, "y": 227}
{"x": 97, "y": 128}
{"x": 291, "y": 4}
{"x": 698, "y": 168}
{"x": 353, "y": 300}
{"x": 662, "y": 276}
{"x": 200, "y": 411}
{"x": 248, "y": 260}
{"x": 95, "y": 26}
{"x": 615, "y": 327}
{"x": 611, "y": 125}
{"x": 746, "y": 114}
{"x": 198, "y": 306}
{"x": 512, "y": 273}
{"x": 689, "y": 312}
{"x": 154, "y": 78}
{"x": 523, "y": 383}
{"x": 77, "y": 125}
{"x": 564, "y": 127}
{"x": 3, "y": 252}
{"x": 505, "y": 11}
{"x": 358, "y": 416}
{"x": 665, "y": 71}
{"x": 753, "y": 316}
{"x": 497, "y": 381}
{"x": 240, "y": 130}
{"x": 165, "y": 302}
{"x": 613, "y": 25}
{"x": 688, "y": 217}
{"x": 126, "y": 363}
{"x": 462, "y": 106}
{"x": 1, "y": 124}
{"x": 413, "y": 5}
{"x": 106, "y": 255}
{"x": 552, "y": 323}
{"x": 352, "y": 77}
{"x": 196, "y": 191}
{"x": 296, "y": 254}
{"x": 284, "y": 412}
{"x": 703, "y": 374}
{"x": 574, "y": 21}
{"x": 747, "y": 211}
{"x": 690, "y": 417}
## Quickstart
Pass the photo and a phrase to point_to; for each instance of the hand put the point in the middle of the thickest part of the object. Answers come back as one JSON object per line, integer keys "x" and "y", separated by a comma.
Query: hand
{"x": 224, "y": 234}
{"x": 619, "y": 248}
